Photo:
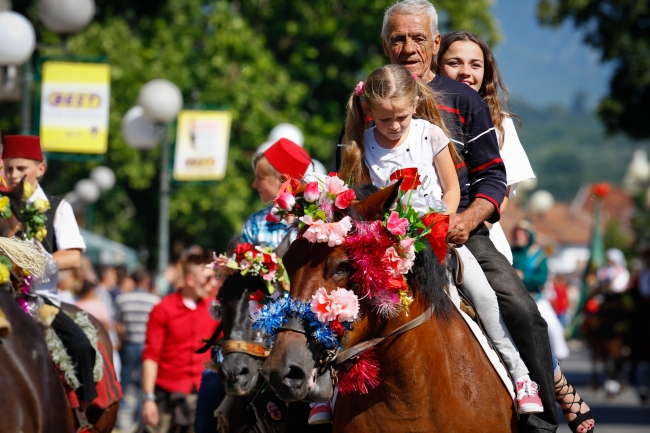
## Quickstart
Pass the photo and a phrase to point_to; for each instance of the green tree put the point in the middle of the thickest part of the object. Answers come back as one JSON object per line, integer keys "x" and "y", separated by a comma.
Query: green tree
{"x": 619, "y": 30}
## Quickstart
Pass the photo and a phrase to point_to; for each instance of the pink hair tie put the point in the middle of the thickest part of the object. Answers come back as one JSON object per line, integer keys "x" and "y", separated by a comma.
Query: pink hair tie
{"x": 415, "y": 77}
{"x": 360, "y": 88}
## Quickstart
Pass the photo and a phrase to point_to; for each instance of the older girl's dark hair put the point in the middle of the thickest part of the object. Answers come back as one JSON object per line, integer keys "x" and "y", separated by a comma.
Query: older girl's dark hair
{"x": 390, "y": 82}
{"x": 492, "y": 81}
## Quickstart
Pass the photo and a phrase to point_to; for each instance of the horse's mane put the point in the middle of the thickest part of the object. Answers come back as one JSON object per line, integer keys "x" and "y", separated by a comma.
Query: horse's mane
{"x": 428, "y": 278}
{"x": 235, "y": 284}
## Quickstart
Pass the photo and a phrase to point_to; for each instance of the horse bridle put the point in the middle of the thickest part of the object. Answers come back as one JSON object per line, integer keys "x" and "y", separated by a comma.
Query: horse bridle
{"x": 234, "y": 346}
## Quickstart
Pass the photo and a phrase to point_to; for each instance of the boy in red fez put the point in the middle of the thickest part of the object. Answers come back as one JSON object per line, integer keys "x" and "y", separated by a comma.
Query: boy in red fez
{"x": 23, "y": 159}
{"x": 283, "y": 160}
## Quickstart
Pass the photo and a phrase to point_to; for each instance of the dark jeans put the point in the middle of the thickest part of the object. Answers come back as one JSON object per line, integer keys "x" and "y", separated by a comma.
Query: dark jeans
{"x": 131, "y": 357}
{"x": 81, "y": 352}
{"x": 526, "y": 325}
{"x": 211, "y": 394}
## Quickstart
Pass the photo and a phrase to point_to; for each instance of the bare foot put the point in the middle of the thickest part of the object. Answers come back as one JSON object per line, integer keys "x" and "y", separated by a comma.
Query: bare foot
{"x": 571, "y": 403}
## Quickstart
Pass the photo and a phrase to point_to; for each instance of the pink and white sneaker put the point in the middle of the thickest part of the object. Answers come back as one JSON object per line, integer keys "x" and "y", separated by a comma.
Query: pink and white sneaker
{"x": 528, "y": 400}
{"x": 321, "y": 413}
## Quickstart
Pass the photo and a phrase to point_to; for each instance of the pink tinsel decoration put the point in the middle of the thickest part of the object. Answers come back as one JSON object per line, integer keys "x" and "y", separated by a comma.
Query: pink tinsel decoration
{"x": 386, "y": 303}
{"x": 366, "y": 249}
{"x": 363, "y": 374}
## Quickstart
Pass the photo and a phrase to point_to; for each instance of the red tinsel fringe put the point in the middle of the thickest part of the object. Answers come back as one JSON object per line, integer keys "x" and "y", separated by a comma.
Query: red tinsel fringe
{"x": 366, "y": 248}
{"x": 362, "y": 376}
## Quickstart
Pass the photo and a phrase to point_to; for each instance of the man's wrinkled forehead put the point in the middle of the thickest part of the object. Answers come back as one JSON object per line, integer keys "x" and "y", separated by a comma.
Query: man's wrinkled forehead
{"x": 409, "y": 26}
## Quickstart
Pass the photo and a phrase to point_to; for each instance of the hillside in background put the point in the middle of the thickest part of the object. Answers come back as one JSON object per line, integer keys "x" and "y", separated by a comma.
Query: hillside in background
{"x": 568, "y": 148}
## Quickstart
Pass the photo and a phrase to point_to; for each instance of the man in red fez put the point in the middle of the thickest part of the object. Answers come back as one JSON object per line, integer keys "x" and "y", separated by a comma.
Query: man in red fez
{"x": 283, "y": 160}
{"x": 23, "y": 159}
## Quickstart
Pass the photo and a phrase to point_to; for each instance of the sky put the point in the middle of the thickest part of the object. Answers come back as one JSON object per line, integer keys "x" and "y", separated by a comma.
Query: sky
{"x": 544, "y": 65}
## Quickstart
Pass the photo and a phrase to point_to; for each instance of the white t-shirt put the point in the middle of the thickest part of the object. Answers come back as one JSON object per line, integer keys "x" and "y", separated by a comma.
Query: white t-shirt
{"x": 424, "y": 141}
{"x": 518, "y": 169}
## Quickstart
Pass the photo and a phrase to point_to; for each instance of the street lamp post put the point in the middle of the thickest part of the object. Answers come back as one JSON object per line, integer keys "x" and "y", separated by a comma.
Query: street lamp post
{"x": 159, "y": 103}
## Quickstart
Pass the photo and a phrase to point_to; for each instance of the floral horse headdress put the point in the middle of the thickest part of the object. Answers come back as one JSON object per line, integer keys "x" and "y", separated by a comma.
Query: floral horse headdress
{"x": 381, "y": 253}
{"x": 32, "y": 215}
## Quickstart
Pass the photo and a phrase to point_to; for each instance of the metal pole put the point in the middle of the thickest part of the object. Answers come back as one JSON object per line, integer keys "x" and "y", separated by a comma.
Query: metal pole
{"x": 25, "y": 102}
{"x": 163, "y": 220}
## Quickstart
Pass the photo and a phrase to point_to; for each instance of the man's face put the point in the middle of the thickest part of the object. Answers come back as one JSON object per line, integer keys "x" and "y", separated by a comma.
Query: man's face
{"x": 410, "y": 43}
{"x": 202, "y": 281}
{"x": 17, "y": 168}
{"x": 266, "y": 184}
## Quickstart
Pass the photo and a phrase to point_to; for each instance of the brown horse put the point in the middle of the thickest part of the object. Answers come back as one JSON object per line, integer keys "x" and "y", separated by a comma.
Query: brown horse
{"x": 434, "y": 378}
{"x": 40, "y": 392}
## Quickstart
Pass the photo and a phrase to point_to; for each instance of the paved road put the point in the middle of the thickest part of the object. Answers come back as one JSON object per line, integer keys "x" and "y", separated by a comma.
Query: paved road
{"x": 624, "y": 414}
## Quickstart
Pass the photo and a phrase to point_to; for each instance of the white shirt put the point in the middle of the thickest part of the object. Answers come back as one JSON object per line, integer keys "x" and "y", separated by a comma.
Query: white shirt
{"x": 66, "y": 232}
{"x": 518, "y": 169}
{"x": 424, "y": 141}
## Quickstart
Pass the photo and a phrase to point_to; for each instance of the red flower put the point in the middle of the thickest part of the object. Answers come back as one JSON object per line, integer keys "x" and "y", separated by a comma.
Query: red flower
{"x": 344, "y": 199}
{"x": 291, "y": 186}
{"x": 337, "y": 327}
{"x": 601, "y": 189}
{"x": 410, "y": 176}
{"x": 397, "y": 284}
{"x": 439, "y": 224}
{"x": 242, "y": 249}
{"x": 257, "y": 297}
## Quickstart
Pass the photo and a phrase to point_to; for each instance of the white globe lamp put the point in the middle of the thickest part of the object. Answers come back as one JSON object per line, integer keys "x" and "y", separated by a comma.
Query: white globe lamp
{"x": 87, "y": 190}
{"x": 137, "y": 130}
{"x": 66, "y": 16}
{"x": 161, "y": 101}
{"x": 541, "y": 201}
{"x": 103, "y": 177}
{"x": 17, "y": 39}
{"x": 288, "y": 131}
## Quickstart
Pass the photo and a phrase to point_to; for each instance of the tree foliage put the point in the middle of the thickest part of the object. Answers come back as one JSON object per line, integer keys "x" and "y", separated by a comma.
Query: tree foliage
{"x": 620, "y": 30}
{"x": 268, "y": 62}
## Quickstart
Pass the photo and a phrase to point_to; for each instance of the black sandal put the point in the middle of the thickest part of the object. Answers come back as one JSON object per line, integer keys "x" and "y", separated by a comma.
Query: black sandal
{"x": 580, "y": 417}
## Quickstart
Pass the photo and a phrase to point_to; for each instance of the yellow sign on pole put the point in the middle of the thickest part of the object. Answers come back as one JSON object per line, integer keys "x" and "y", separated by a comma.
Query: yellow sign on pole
{"x": 202, "y": 145}
{"x": 75, "y": 101}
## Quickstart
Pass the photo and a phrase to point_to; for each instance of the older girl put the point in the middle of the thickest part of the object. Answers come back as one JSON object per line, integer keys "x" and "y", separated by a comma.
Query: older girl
{"x": 464, "y": 57}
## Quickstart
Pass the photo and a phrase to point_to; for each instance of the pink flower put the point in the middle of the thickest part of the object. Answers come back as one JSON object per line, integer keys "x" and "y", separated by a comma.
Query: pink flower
{"x": 344, "y": 199}
{"x": 322, "y": 306}
{"x": 274, "y": 215}
{"x": 312, "y": 193}
{"x": 346, "y": 305}
{"x": 360, "y": 87}
{"x": 285, "y": 201}
{"x": 338, "y": 231}
{"x": 407, "y": 244}
{"x": 318, "y": 230}
{"x": 393, "y": 260}
{"x": 269, "y": 275}
{"x": 334, "y": 185}
{"x": 397, "y": 225}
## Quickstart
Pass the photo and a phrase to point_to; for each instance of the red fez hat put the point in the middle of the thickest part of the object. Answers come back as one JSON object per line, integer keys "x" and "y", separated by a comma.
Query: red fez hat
{"x": 287, "y": 157}
{"x": 22, "y": 146}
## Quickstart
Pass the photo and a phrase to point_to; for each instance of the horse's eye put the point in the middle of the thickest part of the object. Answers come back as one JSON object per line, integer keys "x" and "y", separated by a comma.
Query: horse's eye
{"x": 343, "y": 268}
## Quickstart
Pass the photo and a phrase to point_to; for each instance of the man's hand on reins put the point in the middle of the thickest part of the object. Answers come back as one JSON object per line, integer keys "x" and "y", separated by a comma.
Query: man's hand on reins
{"x": 460, "y": 225}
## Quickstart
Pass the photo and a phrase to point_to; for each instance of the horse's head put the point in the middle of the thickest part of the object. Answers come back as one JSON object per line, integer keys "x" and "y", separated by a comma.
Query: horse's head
{"x": 295, "y": 367}
{"x": 12, "y": 225}
{"x": 239, "y": 369}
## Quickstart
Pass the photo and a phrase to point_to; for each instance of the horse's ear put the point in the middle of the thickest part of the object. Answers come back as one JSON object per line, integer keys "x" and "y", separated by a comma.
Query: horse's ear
{"x": 375, "y": 206}
{"x": 16, "y": 196}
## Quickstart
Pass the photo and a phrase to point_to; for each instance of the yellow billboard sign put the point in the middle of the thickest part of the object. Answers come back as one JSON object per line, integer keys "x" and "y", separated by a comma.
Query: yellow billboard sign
{"x": 202, "y": 145}
{"x": 75, "y": 102}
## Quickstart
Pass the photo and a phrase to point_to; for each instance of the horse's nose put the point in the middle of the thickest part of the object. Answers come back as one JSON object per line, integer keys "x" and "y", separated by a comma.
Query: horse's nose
{"x": 291, "y": 376}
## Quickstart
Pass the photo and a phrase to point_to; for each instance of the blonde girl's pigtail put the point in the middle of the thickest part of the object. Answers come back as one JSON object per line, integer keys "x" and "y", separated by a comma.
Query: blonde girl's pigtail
{"x": 353, "y": 149}
{"x": 428, "y": 110}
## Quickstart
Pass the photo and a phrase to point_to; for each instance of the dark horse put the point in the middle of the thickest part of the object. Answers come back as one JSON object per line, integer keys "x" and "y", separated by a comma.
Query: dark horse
{"x": 434, "y": 378}
{"x": 32, "y": 395}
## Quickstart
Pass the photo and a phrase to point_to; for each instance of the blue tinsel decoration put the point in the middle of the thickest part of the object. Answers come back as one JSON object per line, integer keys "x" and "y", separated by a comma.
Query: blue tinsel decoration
{"x": 272, "y": 315}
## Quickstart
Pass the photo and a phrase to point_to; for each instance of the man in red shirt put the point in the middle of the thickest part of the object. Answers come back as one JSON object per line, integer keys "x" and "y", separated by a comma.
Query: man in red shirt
{"x": 171, "y": 371}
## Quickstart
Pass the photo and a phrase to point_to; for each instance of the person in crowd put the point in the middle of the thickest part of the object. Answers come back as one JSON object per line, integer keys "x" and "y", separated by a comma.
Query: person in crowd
{"x": 65, "y": 285}
{"x": 125, "y": 282}
{"x": 560, "y": 300}
{"x": 132, "y": 314}
{"x": 283, "y": 160}
{"x": 614, "y": 276}
{"x": 410, "y": 37}
{"x": 23, "y": 159}
{"x": 466, "y": 58}
{"x": 171, "y": 370}
{"x": 89, "y": 301}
